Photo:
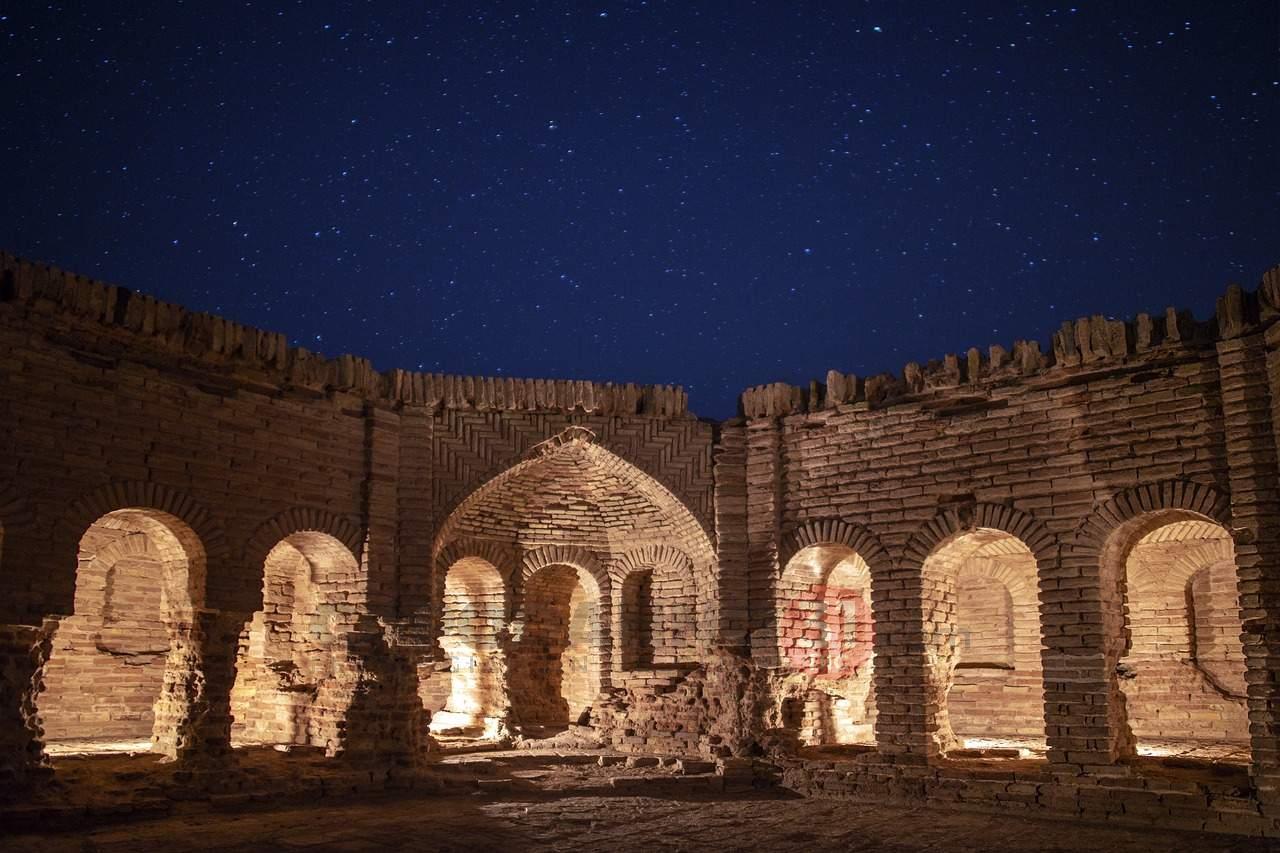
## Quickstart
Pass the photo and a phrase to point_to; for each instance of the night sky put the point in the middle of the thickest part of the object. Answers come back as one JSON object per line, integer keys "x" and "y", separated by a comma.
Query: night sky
{"x": 710, "y": 194}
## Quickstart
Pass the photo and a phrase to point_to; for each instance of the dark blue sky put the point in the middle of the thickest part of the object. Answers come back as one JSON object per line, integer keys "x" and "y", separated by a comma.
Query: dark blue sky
{"x": 710, "y": 194}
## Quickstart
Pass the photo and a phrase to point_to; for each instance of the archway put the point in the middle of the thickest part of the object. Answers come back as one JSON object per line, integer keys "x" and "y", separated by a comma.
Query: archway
{"x": 472, "y": 637}
{"x": 1182, "y": 673}
{"x": 825, "y": 646}
{"x": 570, "y": 492}
{"x": 983, "y": 641}
{"x": 580, "y": 520}
{"x": 637, "y": 645}
{"x": 657, "y": 615}
{"x": 139, "y": 579}
{"x": 290, "y": 679}
{"x": 556, "y": 655}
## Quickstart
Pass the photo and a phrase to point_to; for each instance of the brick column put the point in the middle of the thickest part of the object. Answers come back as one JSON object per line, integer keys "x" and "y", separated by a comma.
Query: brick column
{"x": 1082, "y": 628}
{"x": 23, "y": 652}
{"x": 384, "y": 720}
{"x": 764, "y": 522}
{"x": 729, "y": 465}
{"x": 193, "y": 713}
{"x": 415, "y": 523}
{"x": 381, "y": 498}
{"x": 905, "y": 717}
{"x": 1249, "y": 371}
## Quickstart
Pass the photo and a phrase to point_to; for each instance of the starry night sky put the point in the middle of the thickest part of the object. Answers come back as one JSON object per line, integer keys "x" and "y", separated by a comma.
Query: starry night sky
{"x": 713, "y": 194}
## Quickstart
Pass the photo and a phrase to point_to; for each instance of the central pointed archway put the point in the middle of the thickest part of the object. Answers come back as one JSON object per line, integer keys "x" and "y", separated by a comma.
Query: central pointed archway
{"x": 606, "y": 570}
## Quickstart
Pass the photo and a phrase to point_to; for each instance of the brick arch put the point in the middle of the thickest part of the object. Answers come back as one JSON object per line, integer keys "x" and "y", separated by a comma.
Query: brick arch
{"x": 1101, "y": 545}
{"x": 1137, "y": 507}
{"x": 588, "y": 566}
{"x": 199, "y": 533}
{"x": 951, "y": 523}
{"x": 299, "y": 520}
{"x": 499, "y": 555}
{"x": 630, "y": 472}
{"x": 570, "y": 555}
{"x": 651, "y": 557}
{"x": 677, "y": 602}
{"x": 833, "y": 531}
{"x": 81, "y": 514}
{"x": 617, "y": 438}
{"x": 938, "y": 595}
{"x": 803, "y": 596}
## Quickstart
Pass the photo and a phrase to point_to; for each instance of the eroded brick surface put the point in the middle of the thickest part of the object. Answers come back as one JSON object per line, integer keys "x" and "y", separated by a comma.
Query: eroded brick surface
{"x": 1041, "y": 580}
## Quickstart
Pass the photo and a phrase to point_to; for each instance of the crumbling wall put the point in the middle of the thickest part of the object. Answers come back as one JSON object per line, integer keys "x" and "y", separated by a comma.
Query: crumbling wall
{"x": 824, "y": 691}
{"x": 1075, "y": 451}
{"x": 718, "y": 709}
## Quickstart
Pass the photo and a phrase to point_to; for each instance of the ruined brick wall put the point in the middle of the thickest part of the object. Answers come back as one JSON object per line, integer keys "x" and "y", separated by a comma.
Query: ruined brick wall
{"x": 1074, "y": 550}
{"x": 119, "y": 635}
{"x": 117, "y": 402}
{"x": 1035, "y": 447}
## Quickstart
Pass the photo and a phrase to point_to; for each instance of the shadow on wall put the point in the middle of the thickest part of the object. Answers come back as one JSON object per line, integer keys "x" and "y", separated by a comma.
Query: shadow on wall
{"x": 555, "y": 658}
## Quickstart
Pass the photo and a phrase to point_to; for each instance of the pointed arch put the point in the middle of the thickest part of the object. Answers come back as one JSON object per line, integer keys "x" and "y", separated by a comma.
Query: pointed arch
{"x": 700, "y": 546}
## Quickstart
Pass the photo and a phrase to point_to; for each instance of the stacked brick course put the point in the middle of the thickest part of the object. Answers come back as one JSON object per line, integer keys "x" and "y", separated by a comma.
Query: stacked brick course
{"x": 209, "y": 537}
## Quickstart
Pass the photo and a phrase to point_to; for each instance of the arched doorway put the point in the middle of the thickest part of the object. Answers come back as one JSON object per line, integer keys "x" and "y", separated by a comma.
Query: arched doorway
{"x": 556, "y": 656}
{"x": 982, "y": 636}
{"x": 1182, "y": 673}
{"x": 290, "y": 680}
{"x": 472, "y": 637}
{"x": 139, "y": 578}
{"x": 825, "y": 637}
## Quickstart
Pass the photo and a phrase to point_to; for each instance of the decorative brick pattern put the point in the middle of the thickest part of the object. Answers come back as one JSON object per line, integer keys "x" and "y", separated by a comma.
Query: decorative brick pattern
{"x": 1072, "y": 550}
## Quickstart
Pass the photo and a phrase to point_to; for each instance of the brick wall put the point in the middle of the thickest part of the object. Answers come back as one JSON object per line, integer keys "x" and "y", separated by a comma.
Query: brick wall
{"x": 1073, "y": 545}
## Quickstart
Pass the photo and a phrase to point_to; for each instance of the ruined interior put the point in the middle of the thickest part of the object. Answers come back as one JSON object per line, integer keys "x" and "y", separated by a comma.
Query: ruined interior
{"x": 1042, "y": 580}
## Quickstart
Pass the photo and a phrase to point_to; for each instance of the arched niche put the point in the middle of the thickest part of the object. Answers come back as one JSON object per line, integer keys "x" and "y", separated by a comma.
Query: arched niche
{"x": 140, "y": 576}
{"x": 472, "y": 639}
{"x": 825, "y": 645}
{"x": 557, "y": 658}
{"x": 1182, "y": 669}
{"x": 291, "y": 683}
{"x": 981, "y": 618}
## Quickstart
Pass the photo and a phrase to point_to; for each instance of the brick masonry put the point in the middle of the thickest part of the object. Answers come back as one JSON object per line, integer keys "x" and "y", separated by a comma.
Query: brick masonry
{"x": 210, "y": 538}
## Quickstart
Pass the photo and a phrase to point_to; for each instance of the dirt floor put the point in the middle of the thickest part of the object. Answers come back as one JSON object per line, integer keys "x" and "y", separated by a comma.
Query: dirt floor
{"x": 483, "y": 821}
{"x": 520, "y": 801}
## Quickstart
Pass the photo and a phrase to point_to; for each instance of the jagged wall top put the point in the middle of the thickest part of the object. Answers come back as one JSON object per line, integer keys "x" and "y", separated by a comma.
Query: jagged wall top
{"x": 1090, "y": 343}
{"x": 219, "y": 342}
